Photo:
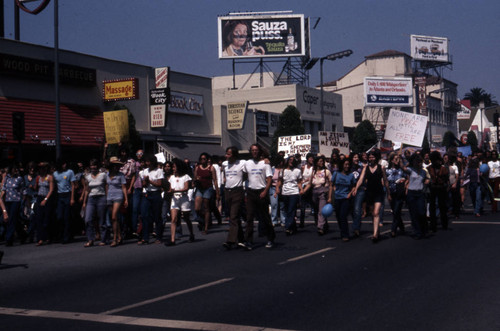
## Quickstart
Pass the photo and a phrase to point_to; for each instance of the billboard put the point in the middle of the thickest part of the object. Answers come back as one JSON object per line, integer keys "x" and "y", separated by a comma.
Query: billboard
{"x": 387, "y": 92}
{"x": 257, "y": 36}
{"x": 424, "y": 48}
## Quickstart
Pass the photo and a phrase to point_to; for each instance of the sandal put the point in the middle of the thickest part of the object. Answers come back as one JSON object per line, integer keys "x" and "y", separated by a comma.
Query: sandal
{"x": 89, "y": 244}
{"x": 102, "y": 244}
{"x": 113, "y": 244}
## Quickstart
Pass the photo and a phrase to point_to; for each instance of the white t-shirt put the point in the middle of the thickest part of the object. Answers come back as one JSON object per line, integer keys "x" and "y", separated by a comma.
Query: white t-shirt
{"x": 153, "y": 175}
{"x": 233, "y": 173}
{"x": 257, "y": 174}
{"x": 218, "y": 172}
{"x": 290, "y": 181}
{"x": 177, "y": 183}
{"x": 494, "y": 169}
{"x": 307, "y": 173}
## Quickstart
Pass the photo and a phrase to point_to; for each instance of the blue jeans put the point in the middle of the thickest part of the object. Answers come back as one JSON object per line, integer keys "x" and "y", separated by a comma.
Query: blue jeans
{"x": 396, "y": 206}
{"x": 416, "y": 205}
{"x": 358, "y": 209}
{"x": 96, "y": 205}
{"x": 136, "y": 207}
{"x": 476, "y": 196}
{"x": 63, "y": 215}
{"x": 275, "y": 205}
{"x": 151, "y": 212}
{"x": 290, "y": 202}
{"x": 13, "y": 208}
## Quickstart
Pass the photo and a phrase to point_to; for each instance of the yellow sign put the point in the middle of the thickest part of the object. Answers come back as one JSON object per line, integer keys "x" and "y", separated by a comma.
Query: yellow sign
{"x": 122, "y": 89}
{"x": 116, "y": 126}
{"x": 236, "y": 115}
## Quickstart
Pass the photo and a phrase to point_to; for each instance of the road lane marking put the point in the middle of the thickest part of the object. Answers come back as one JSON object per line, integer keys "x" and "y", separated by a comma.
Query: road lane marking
{"x": 168, "y": 296}
{"x": 129, "y": 320}
{"x": 306, "y": 255}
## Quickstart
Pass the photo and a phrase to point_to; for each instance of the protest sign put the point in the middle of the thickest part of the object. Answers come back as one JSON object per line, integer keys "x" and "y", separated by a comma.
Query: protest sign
{"x": 407, "y": 128}
{"x": 116, "y": 126}
{"x": 330, "y": 140}
{"x": 292, "y": 145}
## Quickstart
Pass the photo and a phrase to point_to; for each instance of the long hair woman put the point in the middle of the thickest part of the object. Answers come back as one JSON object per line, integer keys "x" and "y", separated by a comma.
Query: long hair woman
{"x": 373, "y": 176}
{"x": 180, "y": 204}
{"x": 319, "y": 184}
{"x": 397, "y": 182}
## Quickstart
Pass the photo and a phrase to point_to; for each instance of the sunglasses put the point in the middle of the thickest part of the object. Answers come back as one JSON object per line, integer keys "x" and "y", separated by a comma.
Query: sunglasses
{"x": 240, "y": 36}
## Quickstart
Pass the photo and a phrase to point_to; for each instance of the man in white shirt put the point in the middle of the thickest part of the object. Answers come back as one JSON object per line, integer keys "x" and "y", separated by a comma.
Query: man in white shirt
{"x": 233, "y": 171}
{"x": 259, "y": 181}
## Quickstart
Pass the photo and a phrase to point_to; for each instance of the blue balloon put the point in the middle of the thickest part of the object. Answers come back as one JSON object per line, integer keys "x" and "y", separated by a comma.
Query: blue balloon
{"x": 484, "y": 168}
{"x": 327, "y": 210}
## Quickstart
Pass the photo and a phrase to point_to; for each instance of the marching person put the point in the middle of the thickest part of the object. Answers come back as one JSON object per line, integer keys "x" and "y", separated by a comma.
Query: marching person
{"x": 259, "y": 182}
{"x": 233, "y": 171}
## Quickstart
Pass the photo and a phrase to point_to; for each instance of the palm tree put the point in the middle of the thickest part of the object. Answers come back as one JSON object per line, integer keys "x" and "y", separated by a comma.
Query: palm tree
{"x": 477, "y": 95}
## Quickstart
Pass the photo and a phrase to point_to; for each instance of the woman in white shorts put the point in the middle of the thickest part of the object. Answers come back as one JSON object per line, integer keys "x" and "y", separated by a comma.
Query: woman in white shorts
{"x": 179, "y": 186}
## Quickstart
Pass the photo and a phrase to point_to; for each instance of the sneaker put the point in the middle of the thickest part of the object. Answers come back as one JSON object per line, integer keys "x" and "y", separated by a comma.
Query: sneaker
{"x": 241, "y": 244}
{"x": 246, "y": 245}
{"x": 269, "y": 244}
{"x": 228, "y": 245}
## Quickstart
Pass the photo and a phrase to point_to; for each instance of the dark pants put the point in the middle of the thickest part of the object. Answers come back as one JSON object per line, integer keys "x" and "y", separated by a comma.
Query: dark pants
{"x": 234, "y": 198}
{"x": 151, "y": 212}
{"x": 341, "y": 211}
{"x": 257, "y": 206}
{"x": 43, "y": 214}
{"x": 442, "y": 196}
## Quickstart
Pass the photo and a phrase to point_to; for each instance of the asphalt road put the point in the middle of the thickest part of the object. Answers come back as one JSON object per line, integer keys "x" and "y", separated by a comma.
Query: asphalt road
{"x": 445, "y": 282}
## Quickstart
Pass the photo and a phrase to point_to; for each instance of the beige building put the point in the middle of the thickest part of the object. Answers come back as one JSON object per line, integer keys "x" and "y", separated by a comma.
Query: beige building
{"x": 266, "y": 102}
{"x": 440, "y": 93}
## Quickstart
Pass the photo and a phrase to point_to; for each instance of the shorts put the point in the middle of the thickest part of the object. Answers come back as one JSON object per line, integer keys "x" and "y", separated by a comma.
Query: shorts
{"x": 180, "y": 201}
{"x": 113, "y": 201}
{"x": 206, "y": 193}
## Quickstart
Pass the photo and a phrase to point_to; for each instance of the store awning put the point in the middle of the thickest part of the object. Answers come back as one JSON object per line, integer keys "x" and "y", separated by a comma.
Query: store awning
{"x": 191, "y": 151}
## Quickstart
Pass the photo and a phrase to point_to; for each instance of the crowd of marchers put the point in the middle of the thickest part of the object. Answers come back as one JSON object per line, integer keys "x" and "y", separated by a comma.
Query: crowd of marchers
{"x": 123, "y": 198}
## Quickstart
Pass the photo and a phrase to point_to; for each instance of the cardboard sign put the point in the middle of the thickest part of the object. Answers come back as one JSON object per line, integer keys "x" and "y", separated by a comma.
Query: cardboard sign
{"x": 330, "y": 140}
{"x": 292, "y": 145}
{"x": 407, "y": 128}
{"x": 116, "y": 126}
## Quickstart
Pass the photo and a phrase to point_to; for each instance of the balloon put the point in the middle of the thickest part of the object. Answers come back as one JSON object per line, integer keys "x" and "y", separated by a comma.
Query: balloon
{"x": 484, "y": 168}
{"x": 327, "y": 210}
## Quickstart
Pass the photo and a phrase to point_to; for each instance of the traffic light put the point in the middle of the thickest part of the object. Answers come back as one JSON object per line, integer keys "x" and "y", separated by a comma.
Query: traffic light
{"x": 18, "y": 126}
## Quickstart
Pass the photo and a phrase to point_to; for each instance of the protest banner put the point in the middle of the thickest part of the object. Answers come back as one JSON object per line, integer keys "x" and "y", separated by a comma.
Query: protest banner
{"x": 407, "y": 128}
{"x": 116, "y": 126}
{"x": 330, "y": 140}
{"x": 292, "y": 145}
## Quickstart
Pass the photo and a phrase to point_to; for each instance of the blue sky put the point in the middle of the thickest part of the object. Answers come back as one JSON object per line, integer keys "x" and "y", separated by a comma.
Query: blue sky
{"x": 182, "y": 34}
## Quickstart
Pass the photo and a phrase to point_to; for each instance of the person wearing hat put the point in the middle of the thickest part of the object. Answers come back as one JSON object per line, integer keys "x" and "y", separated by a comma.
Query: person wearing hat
{"x": 116, "y": 185}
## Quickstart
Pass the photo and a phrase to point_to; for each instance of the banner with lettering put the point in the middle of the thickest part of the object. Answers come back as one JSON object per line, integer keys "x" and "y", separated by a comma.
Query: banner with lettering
{"x": 116, "y": 126}
{"x": 292, "y": 145}
{"x": 330, "y": 140}
{"x": 407, "y": 128}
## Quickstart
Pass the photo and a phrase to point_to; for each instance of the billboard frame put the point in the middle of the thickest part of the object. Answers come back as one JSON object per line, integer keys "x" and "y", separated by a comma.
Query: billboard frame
{"x": 271, "y": 31}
